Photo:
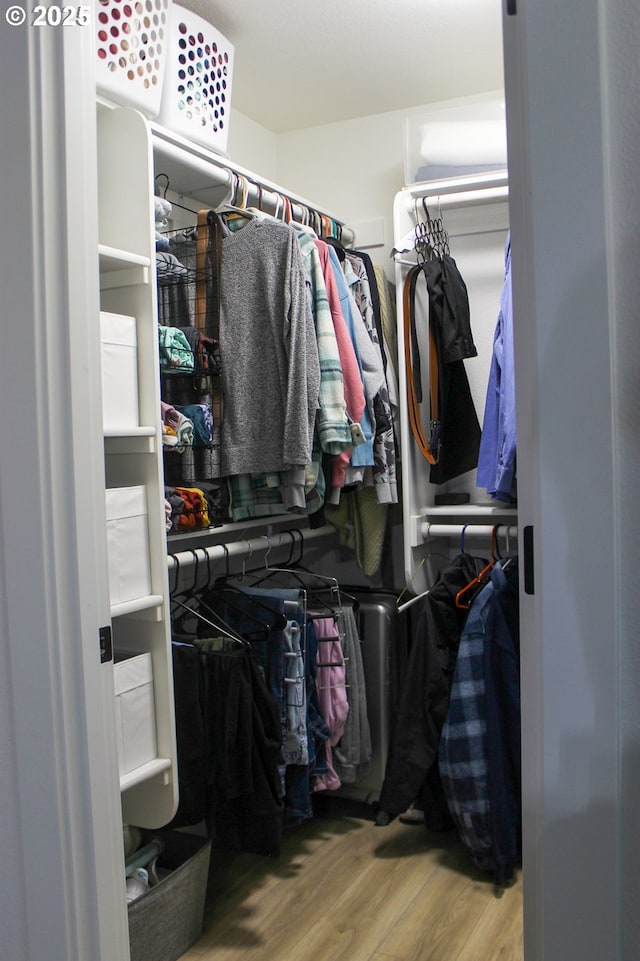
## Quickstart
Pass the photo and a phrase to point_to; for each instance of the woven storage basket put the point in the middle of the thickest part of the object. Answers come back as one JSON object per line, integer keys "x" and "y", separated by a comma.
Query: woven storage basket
{"x": 164, "y": 923}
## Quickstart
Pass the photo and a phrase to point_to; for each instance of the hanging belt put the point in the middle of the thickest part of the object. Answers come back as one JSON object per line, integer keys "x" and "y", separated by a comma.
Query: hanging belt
{"x": 430, "y": 449}
{"x": 208, "y": 273}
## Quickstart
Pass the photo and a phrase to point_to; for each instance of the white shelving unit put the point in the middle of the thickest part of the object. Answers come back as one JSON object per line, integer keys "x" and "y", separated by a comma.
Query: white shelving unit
{"x": 133, "y": 456}
{"x": 128, "y": 149}
{"x": 476, "y": 215}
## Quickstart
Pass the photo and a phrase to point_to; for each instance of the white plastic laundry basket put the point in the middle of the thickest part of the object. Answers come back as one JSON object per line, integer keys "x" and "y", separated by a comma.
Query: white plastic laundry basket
{"x": 196, "y": 96}
{"x": 131, "y": 46}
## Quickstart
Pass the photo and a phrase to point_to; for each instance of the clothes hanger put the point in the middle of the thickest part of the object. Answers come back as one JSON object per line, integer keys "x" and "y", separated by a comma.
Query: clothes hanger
{"x": 464, "y": 599}
{"x": 418, "y": 597}
{"x": 224, "y": 583}
{"x": 186, "y": 592}
{"x": 277, "y": 621}
{"x": 219, "y": 623}
{"x": 221, "y": 626}
{"x": 333, "y": 584}
{"x": 232, "y": 215}
{"x": 292, "y": 573}
{"x": 236, "y": 206}
{"x": 259, "y": 212}
{"x": 302, "y": 222}
{"x": 303, "y": 228}
{"x": 297, "y": 573}
{"x": 462, "y": 533}
{"x": 176, "y": 564}
{"x": 298, "y": 566}
{"x": 265, "y": 573}
{"x": 431, "y": 240}
{"x": 177, "y": 620}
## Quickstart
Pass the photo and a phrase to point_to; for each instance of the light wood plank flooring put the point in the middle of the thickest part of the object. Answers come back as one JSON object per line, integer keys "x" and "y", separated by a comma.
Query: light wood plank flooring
{"x": 346, "y": 890}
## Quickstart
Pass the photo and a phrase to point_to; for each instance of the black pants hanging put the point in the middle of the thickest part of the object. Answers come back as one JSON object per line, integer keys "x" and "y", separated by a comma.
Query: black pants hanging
{"x": 229, "y": 738}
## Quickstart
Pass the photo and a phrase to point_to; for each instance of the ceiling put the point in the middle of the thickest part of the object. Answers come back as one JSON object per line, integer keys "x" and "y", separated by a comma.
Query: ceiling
{"x": 303, "y": 63}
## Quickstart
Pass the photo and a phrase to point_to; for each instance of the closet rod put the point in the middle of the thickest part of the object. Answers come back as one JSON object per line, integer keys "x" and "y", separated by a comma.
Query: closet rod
{"x": 470, "y": 530}
{"x": 184, "y": 159}
{"x": 449, "y": 193}
{"x": 260, "y": 545}
{"x": 455, "y": 185}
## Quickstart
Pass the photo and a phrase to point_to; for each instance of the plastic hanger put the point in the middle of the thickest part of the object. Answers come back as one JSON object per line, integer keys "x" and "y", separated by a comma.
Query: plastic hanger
{"x": 465, "y": 597}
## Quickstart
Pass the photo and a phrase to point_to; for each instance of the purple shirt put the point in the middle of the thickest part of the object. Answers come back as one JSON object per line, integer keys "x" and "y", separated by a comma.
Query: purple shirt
{"x": 497, "y": 457}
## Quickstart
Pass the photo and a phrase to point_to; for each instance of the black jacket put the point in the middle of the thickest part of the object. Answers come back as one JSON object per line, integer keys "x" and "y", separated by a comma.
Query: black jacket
{"x": 449, "y": 320}
{"x": 412, "y": 769}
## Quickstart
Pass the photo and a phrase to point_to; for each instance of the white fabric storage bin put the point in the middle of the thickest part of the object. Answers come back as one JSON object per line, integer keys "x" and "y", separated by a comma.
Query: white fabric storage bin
{"x": 135, "y": 712}
{"x": 196, "y": 94}
{"x": 127, "y": 544}
{"x": 131, "y": 49}
{"x": 118, "y": 345}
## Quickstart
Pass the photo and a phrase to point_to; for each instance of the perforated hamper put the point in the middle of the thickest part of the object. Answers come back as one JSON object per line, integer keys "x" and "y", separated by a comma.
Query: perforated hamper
{"x": 131, "y": 50}
{"x": 196, "y": 94}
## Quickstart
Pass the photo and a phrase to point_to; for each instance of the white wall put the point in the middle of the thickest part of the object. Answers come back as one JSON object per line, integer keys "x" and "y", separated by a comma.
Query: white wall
{"x": 253, "y": 146}
{"x": 355, "y": 168}
{"x": 352, "y": 169}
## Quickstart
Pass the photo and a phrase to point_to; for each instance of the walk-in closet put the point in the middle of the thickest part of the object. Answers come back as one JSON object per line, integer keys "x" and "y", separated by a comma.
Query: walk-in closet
{"x": 318, "y": 483}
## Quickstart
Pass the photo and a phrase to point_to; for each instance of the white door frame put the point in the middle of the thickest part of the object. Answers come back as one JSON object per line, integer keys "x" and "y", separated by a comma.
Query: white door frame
{"x": 60, "y": 830}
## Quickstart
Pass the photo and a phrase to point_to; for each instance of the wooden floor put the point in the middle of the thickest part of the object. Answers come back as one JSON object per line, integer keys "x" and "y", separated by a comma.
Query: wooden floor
{"x": 346, "y": 890}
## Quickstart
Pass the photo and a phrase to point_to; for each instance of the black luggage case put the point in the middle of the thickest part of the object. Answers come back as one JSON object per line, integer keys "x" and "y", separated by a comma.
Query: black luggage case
{"x": 384, "y": 643}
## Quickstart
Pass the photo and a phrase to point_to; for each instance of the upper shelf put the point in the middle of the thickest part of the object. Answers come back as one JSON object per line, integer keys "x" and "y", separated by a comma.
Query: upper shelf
{"x": 482, "y": 513}
{"x": 194, "y": 172}
{"x": 113, "y": 258}
{"x": 122, "y": 268}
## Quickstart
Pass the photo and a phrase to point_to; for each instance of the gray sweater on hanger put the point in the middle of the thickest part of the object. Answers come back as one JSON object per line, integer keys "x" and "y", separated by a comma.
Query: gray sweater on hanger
{"x": 270, "y": 366}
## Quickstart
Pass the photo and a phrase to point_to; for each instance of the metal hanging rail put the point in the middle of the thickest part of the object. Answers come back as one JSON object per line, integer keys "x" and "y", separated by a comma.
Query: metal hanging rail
{"x": 246, "y": 548}
{"x": 485, "y": 188}
{"x": 209, "y": 178}
{"x": 469, "y": 530}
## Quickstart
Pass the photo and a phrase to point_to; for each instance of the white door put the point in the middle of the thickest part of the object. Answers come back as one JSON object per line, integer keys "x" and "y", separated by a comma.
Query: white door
{"x": 565, "y": 66}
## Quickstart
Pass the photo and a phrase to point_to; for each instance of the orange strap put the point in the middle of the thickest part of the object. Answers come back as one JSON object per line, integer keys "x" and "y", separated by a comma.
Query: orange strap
{"x": 413, "y": 403}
